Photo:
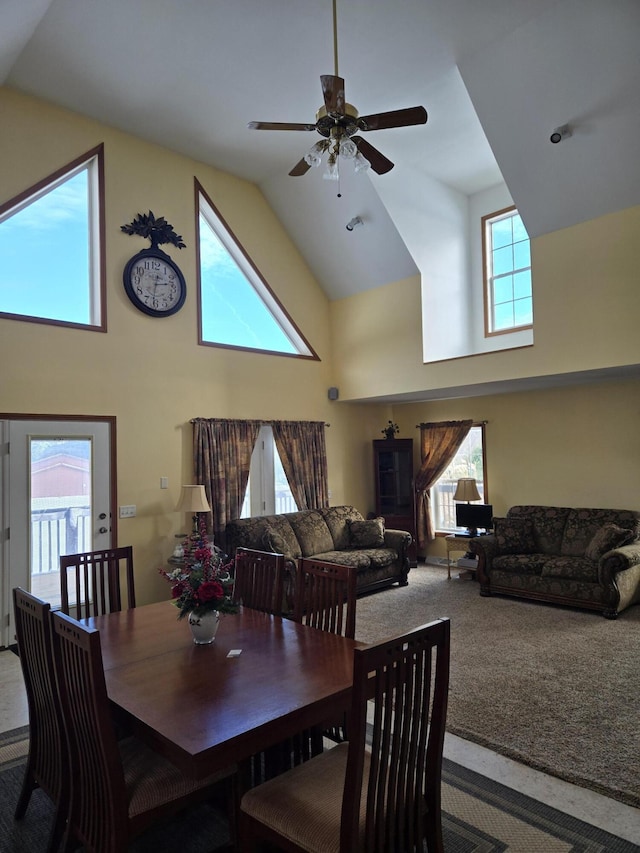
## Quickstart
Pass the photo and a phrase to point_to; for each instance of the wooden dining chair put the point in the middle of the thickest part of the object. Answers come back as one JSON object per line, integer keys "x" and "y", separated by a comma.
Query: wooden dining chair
{"x": 117, "y": 788}
{"x": 379, "y": 794}
{"x": 259, "y": 580}
{"x": 325, "y": 597}
{"x": 97, "y": 585}
{"x": 47, "y": 749}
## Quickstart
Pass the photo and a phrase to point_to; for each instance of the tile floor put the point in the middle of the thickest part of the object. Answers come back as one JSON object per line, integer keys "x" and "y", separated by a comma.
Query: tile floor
{"x": 586, "y": 805}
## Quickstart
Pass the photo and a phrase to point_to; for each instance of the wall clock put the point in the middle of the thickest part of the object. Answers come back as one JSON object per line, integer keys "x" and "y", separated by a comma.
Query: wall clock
{"x": 154, "y": 283}
{"x": 152, "y": 280}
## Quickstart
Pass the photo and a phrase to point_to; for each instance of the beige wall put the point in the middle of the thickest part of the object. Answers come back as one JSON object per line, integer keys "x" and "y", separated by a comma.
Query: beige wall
{"x": 574, "y": 446}
{"x": 150, "y": 373}
{"x": 586, "y": 307}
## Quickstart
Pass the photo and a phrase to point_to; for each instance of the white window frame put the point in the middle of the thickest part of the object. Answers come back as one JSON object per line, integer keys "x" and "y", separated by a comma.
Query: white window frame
{"x": 442, "y": 491}
{"x": 93, "y": 163}
{"x": 489, "y": 289}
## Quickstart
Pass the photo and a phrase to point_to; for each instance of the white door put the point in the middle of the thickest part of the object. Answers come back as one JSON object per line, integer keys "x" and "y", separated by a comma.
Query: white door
{"x": 56, "y": 499}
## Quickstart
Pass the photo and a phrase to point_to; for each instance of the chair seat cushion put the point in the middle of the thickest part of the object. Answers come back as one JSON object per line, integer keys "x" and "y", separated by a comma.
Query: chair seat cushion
{"x": 576, "y": 568}
{"x": 152, "y": 780}
{"x": 521, "y": 564}
{"x": 356, "y": 559}
{"x": 305, "y": 803}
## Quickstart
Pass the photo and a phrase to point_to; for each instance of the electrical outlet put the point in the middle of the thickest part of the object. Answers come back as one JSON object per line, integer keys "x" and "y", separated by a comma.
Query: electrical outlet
{"x": 128, "y": 511}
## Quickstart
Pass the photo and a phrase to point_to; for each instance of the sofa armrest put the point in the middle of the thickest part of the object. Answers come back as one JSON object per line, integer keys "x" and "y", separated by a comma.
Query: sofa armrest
{"x": 399, "y": 540}
{"x": 617, "y": 561}
{"x": 484, "y": 546}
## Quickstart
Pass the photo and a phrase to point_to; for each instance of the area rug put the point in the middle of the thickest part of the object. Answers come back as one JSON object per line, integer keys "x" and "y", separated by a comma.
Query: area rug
{"x": 552, "y": 687}
{"x": 479, "y": 816}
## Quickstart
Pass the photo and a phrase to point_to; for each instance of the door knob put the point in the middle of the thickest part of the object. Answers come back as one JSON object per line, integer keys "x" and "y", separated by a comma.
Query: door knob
{"x": 103, "y": 530}
{"x": 102, "y": 516}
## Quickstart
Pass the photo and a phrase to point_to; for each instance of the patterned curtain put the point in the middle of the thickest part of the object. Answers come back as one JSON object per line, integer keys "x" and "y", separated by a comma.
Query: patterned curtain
{"x": 302, "y": 449}
{"x": 222, "y": 457}
{"x": 439, "y": 443}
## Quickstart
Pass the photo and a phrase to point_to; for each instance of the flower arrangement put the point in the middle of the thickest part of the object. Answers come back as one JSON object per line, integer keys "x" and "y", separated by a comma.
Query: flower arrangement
{"x": 390, "y": 430}
{"x": 202, "y": 583}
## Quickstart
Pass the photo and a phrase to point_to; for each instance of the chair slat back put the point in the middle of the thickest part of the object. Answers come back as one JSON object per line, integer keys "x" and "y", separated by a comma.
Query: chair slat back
{"x": 259, "y": 580}
{"x": 325, "y": 597}
{"x": 98, "y": 795}
{"x": 406, "y": 678}
{"x": 47, "y": 749}
{"x": 98, "y": 578}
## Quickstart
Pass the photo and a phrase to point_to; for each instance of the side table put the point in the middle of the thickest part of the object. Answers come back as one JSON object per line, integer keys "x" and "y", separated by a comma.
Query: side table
{"x": 454, "y": 542}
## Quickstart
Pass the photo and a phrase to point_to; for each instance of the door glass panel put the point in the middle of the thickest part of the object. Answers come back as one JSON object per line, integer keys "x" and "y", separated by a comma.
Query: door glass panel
{"x": 60, "y": 477}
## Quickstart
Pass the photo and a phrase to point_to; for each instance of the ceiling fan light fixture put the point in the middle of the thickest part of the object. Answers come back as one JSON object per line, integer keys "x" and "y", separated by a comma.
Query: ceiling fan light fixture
{"x": 348, "y": 148}
{"x": 360, "y": 163}
{"x": 314, "y": 156}
{"x": 332, "y": 173}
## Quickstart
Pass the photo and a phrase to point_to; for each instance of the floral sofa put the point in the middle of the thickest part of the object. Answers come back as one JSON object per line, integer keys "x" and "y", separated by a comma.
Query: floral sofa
{"x": 337, "y": 534}
{"x": 586, "y": 558}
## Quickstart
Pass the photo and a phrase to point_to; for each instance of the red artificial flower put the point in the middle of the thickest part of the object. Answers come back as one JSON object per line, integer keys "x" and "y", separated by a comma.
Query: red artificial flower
{"x": 177, "y": 590}
{"x": 210, "y": 591}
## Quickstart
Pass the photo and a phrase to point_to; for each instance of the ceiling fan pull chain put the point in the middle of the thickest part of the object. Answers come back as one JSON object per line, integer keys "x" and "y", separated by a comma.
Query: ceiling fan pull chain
{"x": 335, "y": 40}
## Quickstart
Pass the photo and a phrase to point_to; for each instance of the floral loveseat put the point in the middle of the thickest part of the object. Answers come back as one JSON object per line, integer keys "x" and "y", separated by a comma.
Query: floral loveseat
{"x": 337, "y": 534}
{"x": 582, "y": 557}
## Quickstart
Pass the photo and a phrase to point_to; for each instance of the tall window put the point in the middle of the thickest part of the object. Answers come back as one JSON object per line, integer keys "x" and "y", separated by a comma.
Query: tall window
{"x": 51, "y": 247}
{"x": 468, "y": 462}
{"x": 237, "y": 307}
{"x": 507, "y": 272}
{"x": 268, "y": 489}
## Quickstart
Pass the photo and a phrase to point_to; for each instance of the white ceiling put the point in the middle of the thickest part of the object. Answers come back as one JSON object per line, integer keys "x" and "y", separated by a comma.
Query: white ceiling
{"x": 495, "y": 77}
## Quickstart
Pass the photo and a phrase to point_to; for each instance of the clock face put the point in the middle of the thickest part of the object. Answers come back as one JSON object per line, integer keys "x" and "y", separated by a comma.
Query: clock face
{"x": 154, "y": 283}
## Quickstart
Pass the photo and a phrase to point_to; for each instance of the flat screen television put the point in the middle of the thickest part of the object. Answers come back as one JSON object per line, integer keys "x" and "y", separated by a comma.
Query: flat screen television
{"x": 474, "y": 516}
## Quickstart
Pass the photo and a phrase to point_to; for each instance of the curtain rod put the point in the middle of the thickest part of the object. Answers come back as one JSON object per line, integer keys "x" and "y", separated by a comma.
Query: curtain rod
{"x": 259, "y": 420}
{"x": 419, "y": 426}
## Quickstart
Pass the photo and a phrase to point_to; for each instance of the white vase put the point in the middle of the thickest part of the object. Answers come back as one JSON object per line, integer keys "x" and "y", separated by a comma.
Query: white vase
{"x": 204, "y": 627}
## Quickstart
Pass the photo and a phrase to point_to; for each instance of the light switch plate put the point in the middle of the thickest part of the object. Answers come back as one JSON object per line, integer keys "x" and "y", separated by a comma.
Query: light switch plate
{"x": 128, "y": 511}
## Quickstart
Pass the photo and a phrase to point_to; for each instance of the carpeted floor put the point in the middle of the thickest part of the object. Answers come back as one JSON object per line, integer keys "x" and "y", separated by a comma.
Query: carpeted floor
{"x": 552, "y": 687}
{"x": 480, "y": 816}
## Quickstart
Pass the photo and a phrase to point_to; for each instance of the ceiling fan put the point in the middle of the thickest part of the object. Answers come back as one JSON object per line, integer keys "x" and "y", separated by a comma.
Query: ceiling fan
{"x": 338, "y": 122}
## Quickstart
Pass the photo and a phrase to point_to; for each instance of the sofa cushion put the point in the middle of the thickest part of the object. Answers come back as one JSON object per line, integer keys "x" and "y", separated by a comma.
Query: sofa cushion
{"x": 514, "y": 535}
{"x": 278, "y": 532}
{"x": 520, "y": 564}
{"x": 548, "y": 525}
{"x": 311, "y": 531}
{"x": 251, "y": 533}
{"x": 381, "y": 557}
{"x": 337, "y": 518}
{"x": 575, "y": 568}
{"x": 583, "y": 523}
{"x": 366, "y": 534}
{"x": 606, "y": 538}
{"x": 357, "y": 559}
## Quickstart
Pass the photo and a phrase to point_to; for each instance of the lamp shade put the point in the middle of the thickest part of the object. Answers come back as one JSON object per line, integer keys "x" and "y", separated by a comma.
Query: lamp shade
{"x": 466, "y": 490}
{"x": 193, "y": 499}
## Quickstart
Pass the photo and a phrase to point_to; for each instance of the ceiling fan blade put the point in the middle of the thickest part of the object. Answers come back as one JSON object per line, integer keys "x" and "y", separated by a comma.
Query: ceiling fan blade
{"x": 301, "y": 168}
{"x": 394, "y": 118}
{"x": 333, "y": 94}
{"x": 379, "y": 163}
{"x": 278, "y": 125}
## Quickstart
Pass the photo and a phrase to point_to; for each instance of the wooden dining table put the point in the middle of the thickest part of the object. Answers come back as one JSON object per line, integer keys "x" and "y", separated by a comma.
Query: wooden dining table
{"x": 205, "y": 710}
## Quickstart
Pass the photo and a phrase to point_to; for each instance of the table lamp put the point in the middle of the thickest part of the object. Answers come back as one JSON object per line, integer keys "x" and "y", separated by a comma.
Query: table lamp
{"x": 466, "y": 490}
{"x": 193, "y": 499}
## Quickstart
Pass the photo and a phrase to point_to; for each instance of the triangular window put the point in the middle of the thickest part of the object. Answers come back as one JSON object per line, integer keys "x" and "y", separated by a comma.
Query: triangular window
{"x": 51, "y": 248}
{"x": 237, "y": 307}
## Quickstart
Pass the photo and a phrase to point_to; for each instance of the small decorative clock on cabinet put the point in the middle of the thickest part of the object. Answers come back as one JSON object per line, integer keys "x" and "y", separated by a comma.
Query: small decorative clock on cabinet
{"x": 152, "y": 280}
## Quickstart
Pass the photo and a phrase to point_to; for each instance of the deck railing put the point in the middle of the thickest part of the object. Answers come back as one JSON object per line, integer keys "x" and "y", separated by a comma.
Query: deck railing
{"x": 58, "y": 531}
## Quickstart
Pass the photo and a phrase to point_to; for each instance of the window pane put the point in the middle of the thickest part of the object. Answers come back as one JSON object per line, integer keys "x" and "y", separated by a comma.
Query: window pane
{"x": 503, "y": 289}
{"x": 522, "y": 285}
{"x": 504, "y": 316}
{"x": 46, "y": 257}
{"x": 521, "y": 255}
{"x": 501, "y": 234}
{"x": 523, "y": 312}
{"x": 503, "y": 260}
{"x": 232, "y": 311}
{"x": 519, "y": 231}
{"x": 468, "y": 462}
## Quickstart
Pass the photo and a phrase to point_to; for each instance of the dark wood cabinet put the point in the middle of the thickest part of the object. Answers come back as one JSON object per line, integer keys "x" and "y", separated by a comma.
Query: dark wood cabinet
{"x": 393, "y": 476}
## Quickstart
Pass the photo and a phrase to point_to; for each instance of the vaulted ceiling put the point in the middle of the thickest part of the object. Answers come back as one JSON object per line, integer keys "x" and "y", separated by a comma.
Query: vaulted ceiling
{"x": 495, "y": 77}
